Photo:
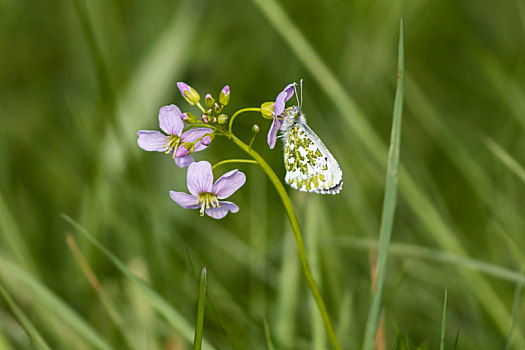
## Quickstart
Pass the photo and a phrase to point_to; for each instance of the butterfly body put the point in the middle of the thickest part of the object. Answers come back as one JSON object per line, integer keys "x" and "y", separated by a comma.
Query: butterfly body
{"x": 310, "y": 167}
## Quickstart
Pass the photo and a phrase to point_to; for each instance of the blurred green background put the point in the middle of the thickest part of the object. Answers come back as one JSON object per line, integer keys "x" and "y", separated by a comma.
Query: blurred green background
{"x": 79, "y": 78}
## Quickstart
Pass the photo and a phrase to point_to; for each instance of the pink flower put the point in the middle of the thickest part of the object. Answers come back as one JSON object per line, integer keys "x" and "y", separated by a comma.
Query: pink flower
{"x": 176, "y": 142}
{"x": 205, "y": 194}
{"x": 280, "y": 101}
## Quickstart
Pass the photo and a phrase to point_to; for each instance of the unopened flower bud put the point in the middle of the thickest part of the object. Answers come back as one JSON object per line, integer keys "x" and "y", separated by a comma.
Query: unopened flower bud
{"x": 217, "y": 108}
{"x": 188, "y": 117}
{"x": 267, "y": 109}
{"x": 189, "y": 93}
{"x": 222, "y": 119}
{"x": 182, "y": 151}
{"x": 224, "y": 97}
{"x": 205, "y": 118}
{"x": 206, "y": 140}
{"x": 209, "y": 101}
{"x": 256, "y": 128}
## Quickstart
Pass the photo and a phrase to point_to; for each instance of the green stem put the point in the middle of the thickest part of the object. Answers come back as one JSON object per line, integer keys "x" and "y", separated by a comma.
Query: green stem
{"x": 252, "y": 109}
{"x": 198, "y": 104}
{"x": 296, "y": 231}
{"x": 233, "y": 161}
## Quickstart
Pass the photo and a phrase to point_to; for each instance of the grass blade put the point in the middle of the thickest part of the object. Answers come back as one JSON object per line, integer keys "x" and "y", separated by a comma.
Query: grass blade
{"x": 505, "y": 158}
{"x": 269, "y": 342}
{"x": 199, "y": 324}
{"x": 311, "y": 234}
{"x": 30, "y": 329}
{"x": 285, "y": 310}
{"x": 444, "y": 322}
{"x": 106, "y": 301}
{"x": 389, "y": 203}
{"x": 12, "y": 239}
{"x": 162, "y": 306}
{"x": 515, "y": 308}
{"x": 415, "y": 252}
{"x": 456, "y": 341}
{"x": 40, "y": 295}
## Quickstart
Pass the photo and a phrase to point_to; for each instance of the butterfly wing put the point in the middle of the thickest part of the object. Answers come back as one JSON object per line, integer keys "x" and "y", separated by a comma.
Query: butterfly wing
{"x": 310, "y": 167}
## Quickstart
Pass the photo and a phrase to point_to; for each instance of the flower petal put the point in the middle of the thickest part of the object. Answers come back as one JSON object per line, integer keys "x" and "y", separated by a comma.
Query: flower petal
{"x": 220, "y": 212}
{"x": 200, "y": 177}
{"x": 170, "y": 121}
{"x": 183, "y": 162}
{"x": 151, "y": 140}
{"x": 272, "y": 134}
{"x": 228, "y": 183}
{"x": 183, "y": 87}
{"x": 284, "y": 96}
{"x": 195, "y": 134}
{"x": 185, "y": 200}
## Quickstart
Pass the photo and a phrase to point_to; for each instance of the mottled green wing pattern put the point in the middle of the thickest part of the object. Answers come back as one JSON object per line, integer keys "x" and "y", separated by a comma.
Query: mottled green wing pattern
{"x": 310, "y": 167}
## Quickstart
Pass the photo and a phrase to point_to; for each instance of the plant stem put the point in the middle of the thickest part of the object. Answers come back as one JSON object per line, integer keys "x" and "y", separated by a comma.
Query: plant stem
{"x": 252, "y": 109}
{"x": 233, "y": 161}
{"x": 297, "y": 233}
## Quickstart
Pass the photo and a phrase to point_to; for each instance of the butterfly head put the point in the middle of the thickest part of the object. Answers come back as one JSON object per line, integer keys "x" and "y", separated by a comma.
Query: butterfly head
{"x": 290, "y": 116}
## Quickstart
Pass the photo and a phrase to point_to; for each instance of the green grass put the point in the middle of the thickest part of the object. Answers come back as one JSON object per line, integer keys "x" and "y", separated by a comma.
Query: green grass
{"x": 199, "y": 320}
{"x": 30, "y": 329}
{"x": 389, "y": 202}
{"x": 515, "y": 306}
{"x": 444, "y": 322}
{"x": 78, "y": 79}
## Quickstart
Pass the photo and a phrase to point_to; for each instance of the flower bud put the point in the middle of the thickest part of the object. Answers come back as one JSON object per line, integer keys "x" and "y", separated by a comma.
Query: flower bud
{"x": 217, "y": 107}
{"x": 205, "y": 118}
{"x": 182, "y": 150}
{"x": 188, "y": 93}
{"x": 256, "y": 128}
{"x": 224, "y": 97}
{"x": 267, "y": 109}
{"x": 206, "y": 140}
{"x": 188, "y": 117}
{"x": 222, "y": 119}
{"x": 209, "y": 101}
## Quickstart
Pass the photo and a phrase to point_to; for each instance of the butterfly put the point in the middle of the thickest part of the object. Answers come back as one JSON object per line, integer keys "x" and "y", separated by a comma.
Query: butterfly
{"x": 310, "y": 167}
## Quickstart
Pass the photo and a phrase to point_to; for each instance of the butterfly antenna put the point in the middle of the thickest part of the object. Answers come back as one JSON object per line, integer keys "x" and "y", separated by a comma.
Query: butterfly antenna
{"x": 296, "y": 95}
{"x": 301, "y": 104}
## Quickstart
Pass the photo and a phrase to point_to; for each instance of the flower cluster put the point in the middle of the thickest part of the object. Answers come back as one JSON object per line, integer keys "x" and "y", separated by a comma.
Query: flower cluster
{"x": 184, "y": 134}
{"x": 176, "y": 143}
